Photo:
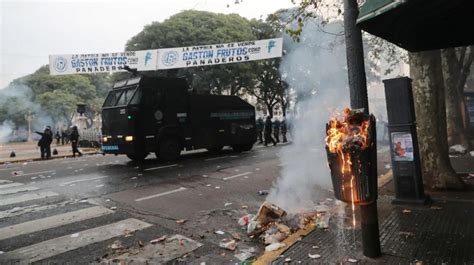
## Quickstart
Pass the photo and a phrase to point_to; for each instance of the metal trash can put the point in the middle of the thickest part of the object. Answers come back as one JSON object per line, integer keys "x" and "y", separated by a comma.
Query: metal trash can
{"x": 351, "y": 147}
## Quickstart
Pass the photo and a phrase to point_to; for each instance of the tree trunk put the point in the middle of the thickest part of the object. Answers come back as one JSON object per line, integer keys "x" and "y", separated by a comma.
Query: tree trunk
{"x": 270, "y": 110}
{"x": 430, "y": 108}
{"x": 454, "y": 88}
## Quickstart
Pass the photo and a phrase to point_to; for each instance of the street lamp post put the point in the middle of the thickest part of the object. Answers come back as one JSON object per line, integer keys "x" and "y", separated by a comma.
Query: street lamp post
{"x": 29, "y": 119}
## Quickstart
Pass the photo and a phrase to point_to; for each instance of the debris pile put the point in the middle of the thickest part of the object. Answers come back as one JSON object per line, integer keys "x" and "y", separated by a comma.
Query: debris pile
{"x": 272, "y": 225}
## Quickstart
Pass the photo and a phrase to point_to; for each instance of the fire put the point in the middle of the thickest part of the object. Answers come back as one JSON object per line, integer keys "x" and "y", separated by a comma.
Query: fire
{"x": 345, "y": 136}
{"x": 347, "y": 133}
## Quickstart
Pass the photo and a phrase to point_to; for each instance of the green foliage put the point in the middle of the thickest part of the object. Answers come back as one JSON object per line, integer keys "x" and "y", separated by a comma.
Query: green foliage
{"x": 190, "y": 28}
{"x": 55, "y": 96}
{"x": 59, "y": 104}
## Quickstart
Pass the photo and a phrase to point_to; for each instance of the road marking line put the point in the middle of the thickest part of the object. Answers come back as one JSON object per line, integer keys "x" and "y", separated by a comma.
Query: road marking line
{"x": 160, "y": 194}
{"x": 52, "y": 221}
{"x": 34, "y": 173}
{"x": 5, "y": 181}
{"x": 17, "y": 190}
{"x": 238, "y": 175}
{"x": 9, "y": 185}
{"x": 80, "y": 180}
{"x": 56, "y": 246}
{"x": 215, "y": 158}
{"x": 16, "y": 211}
{"x": 27, "y": 197}
{"x": 153, "y": 168}
{"x": 9, "y": 168}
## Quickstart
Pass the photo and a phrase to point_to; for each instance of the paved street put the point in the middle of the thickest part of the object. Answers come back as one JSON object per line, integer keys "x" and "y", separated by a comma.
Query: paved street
{"x": 74, "y": 209}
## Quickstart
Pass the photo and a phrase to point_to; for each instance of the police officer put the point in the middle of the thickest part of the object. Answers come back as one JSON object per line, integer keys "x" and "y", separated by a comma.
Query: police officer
{"x": 260, "y": 124}
{"x": 283, "y": 130}
{"x": 276, "y": 130}
{"x": 268, "y": 132}
{"x": 45, "y": 142}
{"x": 74, "y": 137}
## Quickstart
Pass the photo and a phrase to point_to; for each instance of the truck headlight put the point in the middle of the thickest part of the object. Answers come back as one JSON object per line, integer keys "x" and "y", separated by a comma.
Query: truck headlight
{"x": 104, "y": 139}
{"x": 128, "y": 138}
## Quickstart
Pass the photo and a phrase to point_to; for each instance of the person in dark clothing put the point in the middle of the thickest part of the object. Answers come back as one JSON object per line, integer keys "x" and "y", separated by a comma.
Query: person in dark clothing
{"x": 276, "y": 130}
{"x": 45, "y": 142}
{"x": 268, "y": 132}
{"x": 260, "y": 124}
{"x": 283, "y": 130}
{"x": 57, "y": 136}
{"x": 74, "y": 137}
{"x": 63, "y": 136}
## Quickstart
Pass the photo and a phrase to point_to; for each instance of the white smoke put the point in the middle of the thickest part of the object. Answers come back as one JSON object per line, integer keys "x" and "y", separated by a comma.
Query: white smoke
{"x": 315, "y": 69}
{"x": 16, "y": 100}
{"x": 6, "y": 130}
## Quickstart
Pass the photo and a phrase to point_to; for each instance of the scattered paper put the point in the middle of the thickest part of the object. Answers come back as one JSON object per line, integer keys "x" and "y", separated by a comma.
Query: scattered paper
{"x": 314, "y": 256}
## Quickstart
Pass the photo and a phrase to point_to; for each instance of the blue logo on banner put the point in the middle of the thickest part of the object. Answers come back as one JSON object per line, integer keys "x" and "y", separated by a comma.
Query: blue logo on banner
{"x": 169, "y": 58}
{"x": 60, "y": 64}
{"x": 271, "y": 44}
{"x": 147, "y": 57}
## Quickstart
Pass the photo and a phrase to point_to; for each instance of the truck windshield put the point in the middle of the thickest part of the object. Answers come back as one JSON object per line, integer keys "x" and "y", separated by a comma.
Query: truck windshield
{"x": 119, "y": 97}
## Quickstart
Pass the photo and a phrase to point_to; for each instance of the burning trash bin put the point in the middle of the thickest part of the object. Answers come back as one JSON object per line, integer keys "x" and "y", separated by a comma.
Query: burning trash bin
{"x": 352, "y": 155}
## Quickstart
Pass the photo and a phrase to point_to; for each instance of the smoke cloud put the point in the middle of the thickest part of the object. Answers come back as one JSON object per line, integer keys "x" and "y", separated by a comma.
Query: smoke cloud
{"x": 316, "y": 71}
{"x": 16, "y": 101}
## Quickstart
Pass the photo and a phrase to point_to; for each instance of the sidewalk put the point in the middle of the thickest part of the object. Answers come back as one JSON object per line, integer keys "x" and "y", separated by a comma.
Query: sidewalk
{"x": 30, "y": 152}
{"x": 434, "y": 234}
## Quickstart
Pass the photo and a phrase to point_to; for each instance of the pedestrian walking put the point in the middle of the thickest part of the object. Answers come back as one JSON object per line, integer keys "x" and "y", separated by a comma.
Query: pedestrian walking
{"x": 283, "y": 130}
{"x": 57, "y": 136}
{"x": 44, "y": 142}
{"x": 260, "y": 124}
{"x": 276, "y": 130}
{"x": 268, "y": 132}
{"x": 74, "y": 137}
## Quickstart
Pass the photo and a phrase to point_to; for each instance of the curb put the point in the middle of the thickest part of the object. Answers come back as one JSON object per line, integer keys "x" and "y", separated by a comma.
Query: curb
{"x": 29, "y": 159}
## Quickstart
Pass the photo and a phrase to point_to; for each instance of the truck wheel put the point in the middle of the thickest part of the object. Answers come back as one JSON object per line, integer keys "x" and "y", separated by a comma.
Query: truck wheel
{"x": 215, "y": 149}
{"x": 170, "y": 149}
{"x": 137, "y": 156}
{"x": 242, "y": 147}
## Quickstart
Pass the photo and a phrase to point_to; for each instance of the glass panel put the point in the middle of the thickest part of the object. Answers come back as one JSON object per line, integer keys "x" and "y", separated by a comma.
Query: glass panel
{"x": 125, "y": 97}
{"x": 112, "y": 98}
{"x": 137, "y": 97}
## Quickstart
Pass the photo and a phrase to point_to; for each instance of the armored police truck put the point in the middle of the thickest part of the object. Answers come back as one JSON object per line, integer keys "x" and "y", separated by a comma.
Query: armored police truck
{"x": 148, "y": 114}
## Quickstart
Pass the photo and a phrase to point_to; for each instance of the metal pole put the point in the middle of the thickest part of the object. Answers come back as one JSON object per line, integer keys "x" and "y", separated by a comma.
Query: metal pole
{"x": 358, "y": 98}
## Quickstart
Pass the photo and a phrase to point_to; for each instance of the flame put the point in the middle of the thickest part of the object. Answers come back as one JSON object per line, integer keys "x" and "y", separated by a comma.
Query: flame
{"x": 344, "y": 135}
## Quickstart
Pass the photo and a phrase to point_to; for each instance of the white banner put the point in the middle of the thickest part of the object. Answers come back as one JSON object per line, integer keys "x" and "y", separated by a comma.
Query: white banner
{"x": 204, "y": 55}
{"x": 102, "y": 62}
{"x": 161, "y": 59}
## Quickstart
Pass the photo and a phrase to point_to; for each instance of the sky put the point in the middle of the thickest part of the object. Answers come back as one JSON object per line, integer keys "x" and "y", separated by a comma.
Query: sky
{"x": 32, "y": 30}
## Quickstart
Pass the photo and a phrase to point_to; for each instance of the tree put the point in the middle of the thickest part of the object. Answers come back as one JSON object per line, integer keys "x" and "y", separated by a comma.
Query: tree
{"x": 430, "y": 108}
{"x": 60, "y": 105}
{"x": 456, "y": 67}
{"x": 190, "y": 28}
{"x": 270, "y": 85}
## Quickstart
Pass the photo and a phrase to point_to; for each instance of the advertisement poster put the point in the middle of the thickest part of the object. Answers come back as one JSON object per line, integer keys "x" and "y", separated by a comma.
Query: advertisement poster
{"x": 215, "y": 54}
{"x": 402, "y": 146}
{"x": 67, "y": 64}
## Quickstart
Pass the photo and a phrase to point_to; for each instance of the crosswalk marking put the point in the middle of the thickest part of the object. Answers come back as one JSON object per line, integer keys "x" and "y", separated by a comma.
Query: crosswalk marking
{"x": 17, "y": 190}
{"x": 9, "y": 185}
{"x": 56, "y": 246}
{"x": 7, "y": 200}
{"x": 52, "y": 221}
{"x": 34, "y": 208}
